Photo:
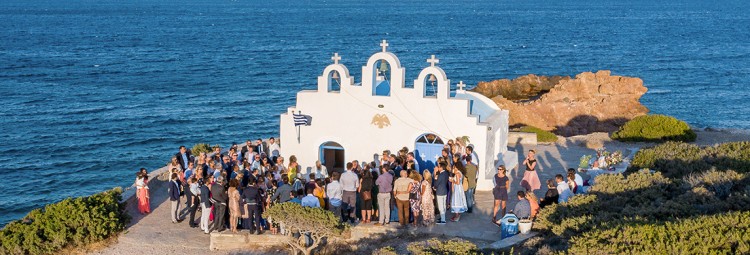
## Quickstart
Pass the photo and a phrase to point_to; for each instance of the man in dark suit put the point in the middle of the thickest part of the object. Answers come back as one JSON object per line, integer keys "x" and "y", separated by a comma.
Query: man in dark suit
{"x": 220, "y": 205}
{"x": 441, "y": 189}
{"x": 183, "y": 157}
{"x": 252, "y": 197}
{"x": 260, "y": 148}
{"x": 194, "y": 191}
{"x": 205, "y": 194}
{"x": 174, "y": 198}
{"x": 243, "y": 152}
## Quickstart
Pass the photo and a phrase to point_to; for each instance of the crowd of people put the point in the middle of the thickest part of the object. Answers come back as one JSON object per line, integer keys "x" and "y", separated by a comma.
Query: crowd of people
{"x": 231, "y": 188}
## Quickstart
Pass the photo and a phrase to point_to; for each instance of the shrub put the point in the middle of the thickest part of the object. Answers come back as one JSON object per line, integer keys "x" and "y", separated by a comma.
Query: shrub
{"x": 717, "y": 182}
{"x": 542, "y": 136}
{"x": 385, "y": 251}
{"x": 725, "y": 233}
{"x": 675, "y": 159}
{"x": 199, "y": 148}
{"x": 318, "y": 223}
{"x": 643, "y": 198}
{"x": 435, "y": 246}
{"x": 72, "y": 222}
{"x": 654, "y": 128}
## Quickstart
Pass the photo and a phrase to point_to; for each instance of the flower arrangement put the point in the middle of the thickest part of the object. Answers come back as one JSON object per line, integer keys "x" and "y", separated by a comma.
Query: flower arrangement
{"x": 610, "y": 159}
{"x": 585, "y": 159}
{"x": 613, "y": 158}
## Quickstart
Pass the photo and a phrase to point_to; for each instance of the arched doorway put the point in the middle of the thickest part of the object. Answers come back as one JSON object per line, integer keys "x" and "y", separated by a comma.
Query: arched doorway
{"x": 427, "y": 149}
{"x": 332, "y": 156}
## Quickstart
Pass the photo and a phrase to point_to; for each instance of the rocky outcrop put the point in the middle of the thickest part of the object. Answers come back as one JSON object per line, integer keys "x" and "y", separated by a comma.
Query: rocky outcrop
{"x": 591, "y": 102}
{"x": 521, "y": 88}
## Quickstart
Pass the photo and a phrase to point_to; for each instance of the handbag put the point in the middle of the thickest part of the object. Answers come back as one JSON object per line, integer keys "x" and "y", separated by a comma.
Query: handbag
{"x": 366, "y": 195}
{"x": 465, "y": 184}
{"x": 413, "y": 196}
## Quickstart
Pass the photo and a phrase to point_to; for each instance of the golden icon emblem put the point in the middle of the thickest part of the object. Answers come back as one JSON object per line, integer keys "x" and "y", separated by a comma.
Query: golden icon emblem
{"x": 380, "y": 120}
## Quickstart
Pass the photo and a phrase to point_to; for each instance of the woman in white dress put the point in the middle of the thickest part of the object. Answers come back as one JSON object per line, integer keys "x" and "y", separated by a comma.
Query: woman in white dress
{"x": 458, "y": 198}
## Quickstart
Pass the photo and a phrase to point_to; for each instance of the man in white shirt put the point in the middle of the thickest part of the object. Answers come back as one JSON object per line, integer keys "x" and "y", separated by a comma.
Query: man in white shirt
{"x": 350, "y": 183}
{"x": 562, "y": 189}
{"x": 384, "y": 159}
{"x": 310, "y": 200}
{"x": 335, "y": 194}
{"x": 474, "y": 156}
{"x": 274, "y": 149}
{"x": 255, "y": 164}
{"x": 321, "y": 172}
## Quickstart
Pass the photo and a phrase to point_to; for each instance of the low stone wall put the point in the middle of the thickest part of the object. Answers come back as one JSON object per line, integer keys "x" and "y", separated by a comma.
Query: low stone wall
{"x": 156, "y": 179}
{"x": 245, "y": 240}
{"x": 521, "y": 138}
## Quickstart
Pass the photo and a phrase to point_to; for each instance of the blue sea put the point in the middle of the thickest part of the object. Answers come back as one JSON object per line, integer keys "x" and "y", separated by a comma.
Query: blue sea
{"x": 90, "y": 91}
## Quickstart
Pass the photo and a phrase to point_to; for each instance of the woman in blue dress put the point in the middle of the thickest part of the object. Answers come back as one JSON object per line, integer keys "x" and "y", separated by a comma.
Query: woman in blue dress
{"x": 458, "y": 197}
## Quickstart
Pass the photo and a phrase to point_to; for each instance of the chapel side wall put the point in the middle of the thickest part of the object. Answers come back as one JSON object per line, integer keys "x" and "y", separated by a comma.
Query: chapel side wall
{"x": 487, "y": 167}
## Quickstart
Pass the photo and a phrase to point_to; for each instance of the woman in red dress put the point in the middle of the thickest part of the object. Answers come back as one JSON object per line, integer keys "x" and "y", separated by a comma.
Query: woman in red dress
{"x": 141, "y": 184}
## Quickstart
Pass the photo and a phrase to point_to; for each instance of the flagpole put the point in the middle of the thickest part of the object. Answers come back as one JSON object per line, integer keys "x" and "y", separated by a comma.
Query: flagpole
{"x": 298, "y": 129}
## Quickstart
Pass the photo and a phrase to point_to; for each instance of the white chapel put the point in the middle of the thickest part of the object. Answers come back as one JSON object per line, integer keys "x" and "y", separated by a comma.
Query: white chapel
{"x": 357, "y": 121}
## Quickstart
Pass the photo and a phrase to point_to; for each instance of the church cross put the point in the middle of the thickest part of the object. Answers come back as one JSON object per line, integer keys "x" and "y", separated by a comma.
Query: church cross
{"x": 432, "y": 60}
{"x": 384, "y": 44}
{"x": 336, "y": 58}
{"x": 461, "y": 86}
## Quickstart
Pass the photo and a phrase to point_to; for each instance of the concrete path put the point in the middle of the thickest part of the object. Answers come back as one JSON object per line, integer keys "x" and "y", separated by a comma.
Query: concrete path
{"x": 155, "y": 233}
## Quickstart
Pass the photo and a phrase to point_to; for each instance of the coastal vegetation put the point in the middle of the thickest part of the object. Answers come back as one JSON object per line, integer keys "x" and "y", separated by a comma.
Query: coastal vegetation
{"x": 654, "y": 128}
{"x": 199, "y": 148}
{"x": 70, "y": 223}
{"x": 675, "y": 159}
{"x": 318, "y": 224}
{"x": 688, "y": 197}
{"x": 436, "y": 246}
{"x": 542, "y": 136}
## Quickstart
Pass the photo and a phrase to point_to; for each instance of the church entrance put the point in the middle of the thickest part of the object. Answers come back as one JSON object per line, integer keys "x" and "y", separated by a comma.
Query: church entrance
{"x": 332, "y": 156}
{"x": 427, "y": 150}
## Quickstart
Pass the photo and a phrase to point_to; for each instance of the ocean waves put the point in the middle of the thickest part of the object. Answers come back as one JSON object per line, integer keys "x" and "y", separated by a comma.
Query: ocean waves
{"x": 90, "y": 92}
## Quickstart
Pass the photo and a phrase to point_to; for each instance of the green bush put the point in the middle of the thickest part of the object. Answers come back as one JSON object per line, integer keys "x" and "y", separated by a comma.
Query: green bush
{"x": 654, "y": 128}
{"x": 436, "y": 246}
{"x": 641, "y": 193}
{"x": 73, "y": 222}
{"x": 319, "y": 223}
{"x": 725, "y": 233}
{"x": 542, "y": 136}
{"x": 385, "y": 251}
{"x": 676, "y": 159}
{"x": 199, "y": 148}
{"x": 687, "y": 206}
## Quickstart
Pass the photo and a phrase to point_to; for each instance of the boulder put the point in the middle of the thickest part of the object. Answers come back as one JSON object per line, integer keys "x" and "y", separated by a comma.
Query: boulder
{"x": 521, "y": 88}
{"x": 590, "y": 102}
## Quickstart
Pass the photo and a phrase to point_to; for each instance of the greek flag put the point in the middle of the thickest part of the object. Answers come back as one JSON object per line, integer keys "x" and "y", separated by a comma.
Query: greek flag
{"x": 301, "y": 119}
